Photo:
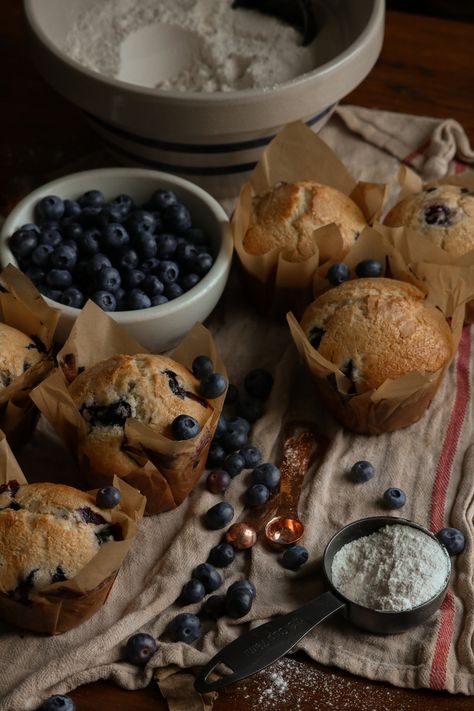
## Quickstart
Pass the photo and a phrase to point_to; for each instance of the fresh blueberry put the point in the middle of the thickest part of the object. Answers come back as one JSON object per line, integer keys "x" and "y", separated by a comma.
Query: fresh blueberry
{"x": 218, "y": 481}
{"x": 177, "y": 218}
{"x": 258, "y": 383}
{"x": 72, "y": 296}
{"x": 50, "y": 236}
{"x": 212, "y": 385}
{"x": 59, "y": 278}
{"x": 219, "y": 516}
{"x": 53, "y": 294}
{"x": 362, "y": 471}
{"x": 238, "y": 604}
{"x": 394, "y": 498}
{"x": 151, "y": 285}
{"x": 73, "y": 230}
{"x": 338, "y": 273}
{"x": 133, "y": 278}
{"x": 158, "y": 299}
{"x": 185, "y": 628}
{"x": 88, "y": 242}
{"x": 140, "y": 648}
{"x": 208, "y": 575}
{"x": 35, "y": 273}
{"x": 234, "y": 439}
{"x": 294, "y": 557}
{"x": 165, "y": 245}
{"x": 252, "y": 457}
{"x": 234, "y": 463}
{"x": 150, "y": 265}
{"x": 202, "y": 365}
{"x": 232, "y": 395}
{"x": 109, "y": 279}
{"x": 90, "y": 216}
{"x": 71, "y": 208}
{"x": 257, "y": 495}
{"x": 250, "y": 408}
{"x": 105, "y": 300}
{"x": 238, "y": 423}
{"x": 167, "y": 272}
{"x": 127, "y": 259}
{"x": 240, "y": 585}
{"x": 369, "y": 268}
{"x": 23, "y": 242}
{"x": 186, "y": 253}
{"x": 222, "y": 555}
{"x": 121, "y": 299}
{"x": 215, "y": 456}
{"x": 161, "y": 199}
{"x": 145, "y": 244}
{"x": 92, "y": 198}
{"x": 97, "y": 262}
{"x": 439, "y": 215}
{"x": 125, "y": 202}
{"x": 193, "y": 591}
{"x": 58, "y": 703}
{"x": 64, "y": 257}
{"x": 115, "y": 236}
{"x": 214, "y": 607}
{"x": 141, "y": 221}
{"x": 185, "y": 427}
{"x": 172, "y": 291}
{"x": 108, "y": 497}
{"x": 71, "y": 244}
{"x": 112, "y": 213}
{"x": 188, "y": 281}
{"x": 203, "y": 263}
{"x": 267, "y": 474}
{"x": 452, "y": 539}
{"x": 137, "y": 299}
{"x": 50, "y": 207}
{"x": 221, "y": 428}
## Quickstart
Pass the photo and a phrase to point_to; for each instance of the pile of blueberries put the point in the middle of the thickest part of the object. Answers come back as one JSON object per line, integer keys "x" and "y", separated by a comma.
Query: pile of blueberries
{"x": 340, "y": 272}
{"x": 121, "y": 256}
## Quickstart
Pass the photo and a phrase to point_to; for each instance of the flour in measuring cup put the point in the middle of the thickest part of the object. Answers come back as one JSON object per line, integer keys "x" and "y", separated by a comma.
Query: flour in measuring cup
{"x": 234, "y": 49}
{"x": 396, "y": 568}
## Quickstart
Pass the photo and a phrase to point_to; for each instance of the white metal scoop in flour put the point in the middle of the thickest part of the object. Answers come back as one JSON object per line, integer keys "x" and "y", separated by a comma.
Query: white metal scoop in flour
{"x": 265, "y": 644}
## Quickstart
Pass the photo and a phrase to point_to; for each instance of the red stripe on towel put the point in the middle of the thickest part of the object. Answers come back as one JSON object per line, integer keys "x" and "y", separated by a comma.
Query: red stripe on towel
{"x": 438, "y": 501}
{"x": 459, "y": 167}
{"x": 416, "y": 152}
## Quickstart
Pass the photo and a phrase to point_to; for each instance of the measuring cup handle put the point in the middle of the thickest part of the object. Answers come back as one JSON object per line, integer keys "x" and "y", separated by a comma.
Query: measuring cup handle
{"x": 265, "y": 644}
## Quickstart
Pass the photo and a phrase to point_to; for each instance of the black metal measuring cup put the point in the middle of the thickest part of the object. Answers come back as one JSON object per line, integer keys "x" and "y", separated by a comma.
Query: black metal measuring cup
{"x": 263, "y": 645}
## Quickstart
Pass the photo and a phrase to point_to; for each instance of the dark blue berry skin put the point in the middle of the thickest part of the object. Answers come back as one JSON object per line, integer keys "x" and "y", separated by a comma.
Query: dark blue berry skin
{"x": 111, "y": 213}
{"x": 121, "y": 299}
{"x": 234, "y": 463}
{"x": 59, "y": 278}
{"x": 219, "y": 516}
{"x": 137, "y": 299}
{"x": 73, "y": 230}
{"x": 50, "y": 236}
{"x": 369, "y": 268}
{"x": 234, "y": 439}
{"x": 338, "y": 273}
{"x": 71, "y": 244}
{"x": 105, "y": 300}
{"x": 394, "y": 498}
{"x": 165, "y": 245}
{"x": 127, "y": 259}
{"x": 185, "y": 427}
{"x": 145, "y": 244}
{"x": 90, "y": 216}
{"x": 88, "y": 242}
{"x": 23, "y": 242}
{"x": 267, "y": 474}
{"x": 252, "y": 457}
{"x": 221, "y": 428}
{"x": 212, "y": 385}
{"x": 294, "y": 557}
{"x": 362, "y": 471}
{"x": 188, "y": 281}
{"x": 258, "y": 383}
{"x": 250, "y": 408}
{"x": 193, "y": 591}
{"x": 58, "y": 703}
{"x": 208, "y": 576}
{"x": 115, "y": 236}
{"x": 96, "y": 263}
{"x": 176, "y": 218}
{"x": 232, "y": 395}
{"x": 125, "y": 202}
{"x": 240, "y": 585}
{"x": 158, "y": 300}
{"x": 141, "y": 221}
{"x": 238, "y": 423}
{"x": 140, "y": 648}
{"x": 222, "y": 555}
{"x": 167, "y": 272}
{"x": 238, "y": 604}
{"x": 452, "y": 539}
{"x": 51, "y": 208}
{"x": 202, "y": 365}
{"x": 64, "y": 257}
{"x": 71, "y": 208}
{"x": 214, "y": 607}
{"x": 215, "y": 456}
{"x": 53, "y": 294}
{"x": 218, "y": 481}
{"x": 150, "y": 265}
{"x": 161, "y": 199}
{"x": 108, "y": 497}
{"x": 185, "y": 253}
{"x": 72, "y": 296}
{"x": 35, "y": 273}
{"x": 257, "y": 495}
{"x": 172, "y": 291}
{"x": 133, "y": 278}
{"x": 185, "y": 628}
{"x": 92, "y": 198}
{"x": 203, "y": 263}
{"x": 152, "y": 286}
{"x": 109, "y": 279}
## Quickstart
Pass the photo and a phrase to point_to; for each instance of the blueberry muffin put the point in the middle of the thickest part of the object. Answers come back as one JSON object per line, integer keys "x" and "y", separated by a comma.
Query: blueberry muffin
{"x": 48, "y": 533}
{"x": 286, "y": 217}
{"x": 153, "y": 389}
{"x": 443, "y": 214}
{"x": 376, "y": 329}
{"x": 17, "y": 353}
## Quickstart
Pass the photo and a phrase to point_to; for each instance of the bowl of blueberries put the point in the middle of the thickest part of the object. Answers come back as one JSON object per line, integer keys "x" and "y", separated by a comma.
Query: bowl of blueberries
{"x": 151, "y": 249}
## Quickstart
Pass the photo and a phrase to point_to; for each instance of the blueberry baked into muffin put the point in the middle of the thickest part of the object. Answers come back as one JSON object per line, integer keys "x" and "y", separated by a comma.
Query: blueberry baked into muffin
{"x": 285, "y": 218}
{"x": 18, "y": 353}
{"x": 443, "y": 214}
{"x": 48, "y": 533}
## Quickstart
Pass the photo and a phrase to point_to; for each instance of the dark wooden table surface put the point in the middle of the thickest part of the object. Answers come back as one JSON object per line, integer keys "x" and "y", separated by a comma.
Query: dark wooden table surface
{"x": 426, "y": 68}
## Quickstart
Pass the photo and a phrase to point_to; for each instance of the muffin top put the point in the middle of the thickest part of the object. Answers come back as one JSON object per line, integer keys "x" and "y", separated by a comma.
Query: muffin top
{"x": 17, "y": 353}
{"x": 286, "y": 217}
{"x": 443, "y": 214}
{"x": 48, "y": 533}
{"x": 375, "y": 329}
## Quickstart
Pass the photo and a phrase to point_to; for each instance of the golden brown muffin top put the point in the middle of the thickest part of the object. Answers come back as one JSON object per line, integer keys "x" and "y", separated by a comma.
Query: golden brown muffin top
{"x": 17, "y": 353}
{"x": 375, "y": 329}
{"x": 286, "y": 217}
{"x": 443, "y": 214}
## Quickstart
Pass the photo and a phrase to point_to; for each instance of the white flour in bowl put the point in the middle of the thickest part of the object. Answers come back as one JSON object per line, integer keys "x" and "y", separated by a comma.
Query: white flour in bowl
{"x": 396, "y": 568}
{"x": 232, "y": 49}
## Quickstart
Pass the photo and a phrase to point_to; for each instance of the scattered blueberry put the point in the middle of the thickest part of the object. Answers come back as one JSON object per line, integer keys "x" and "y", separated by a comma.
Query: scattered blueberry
{"x": 193, "y": 591}
{"x": 239, "y": 604}
{"x": 294, "y": 557}
{"x": 267, "y": 474}
{"x": 239, "y": 585}
{"x": 215, "y": 456}
{"x": 238, "y": 423}
{"x": 212, "y": 385}
{"x": 258, "y": 383}
{"x": 208, "y": 575}
{"x": 202, "y": 365}
{"x": 338, "y": 273}
{"x": 214, "y": 607}
{"x": 222, "y": 555}
{"x": 232, "y": 395}
{"x": 108, "y": 497}
{"x": 257, "y": 495}
{"x": 185, "y": 427}
{"x": 185, "y": 628}
{"x": 369, "y": 268}
{"x": 252, "y": 457}
{"x": 58, "y": 703}
{"x": 362, "y": 471}
{"x": 219, "y": 516}
{"x": 234, "y": 463}
{"x": 218, "y": 481}
{"x": 221, "y": 428}
{"x": 140, "y": 648}
{"x": 452, "y": 539}
{"x": 234, "y": 439}
{"x": 394, "y": 498}
{"x": 250, "y": 408}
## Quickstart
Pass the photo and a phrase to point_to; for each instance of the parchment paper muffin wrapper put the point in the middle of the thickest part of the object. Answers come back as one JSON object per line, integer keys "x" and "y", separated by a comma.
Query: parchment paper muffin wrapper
{"x": 416, "y": 249}
{"x": 166, "y": 470}
{"x": 62, "y": 606}
{"x": 296, "y": 153}
{"x": 23, "y": 308}
{"x": 402, "y": 401}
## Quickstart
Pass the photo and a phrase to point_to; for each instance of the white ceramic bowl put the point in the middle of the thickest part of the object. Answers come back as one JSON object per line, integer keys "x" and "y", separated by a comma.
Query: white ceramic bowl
{"x": 213, "y": 139}
{"x": 159, "y": 327}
